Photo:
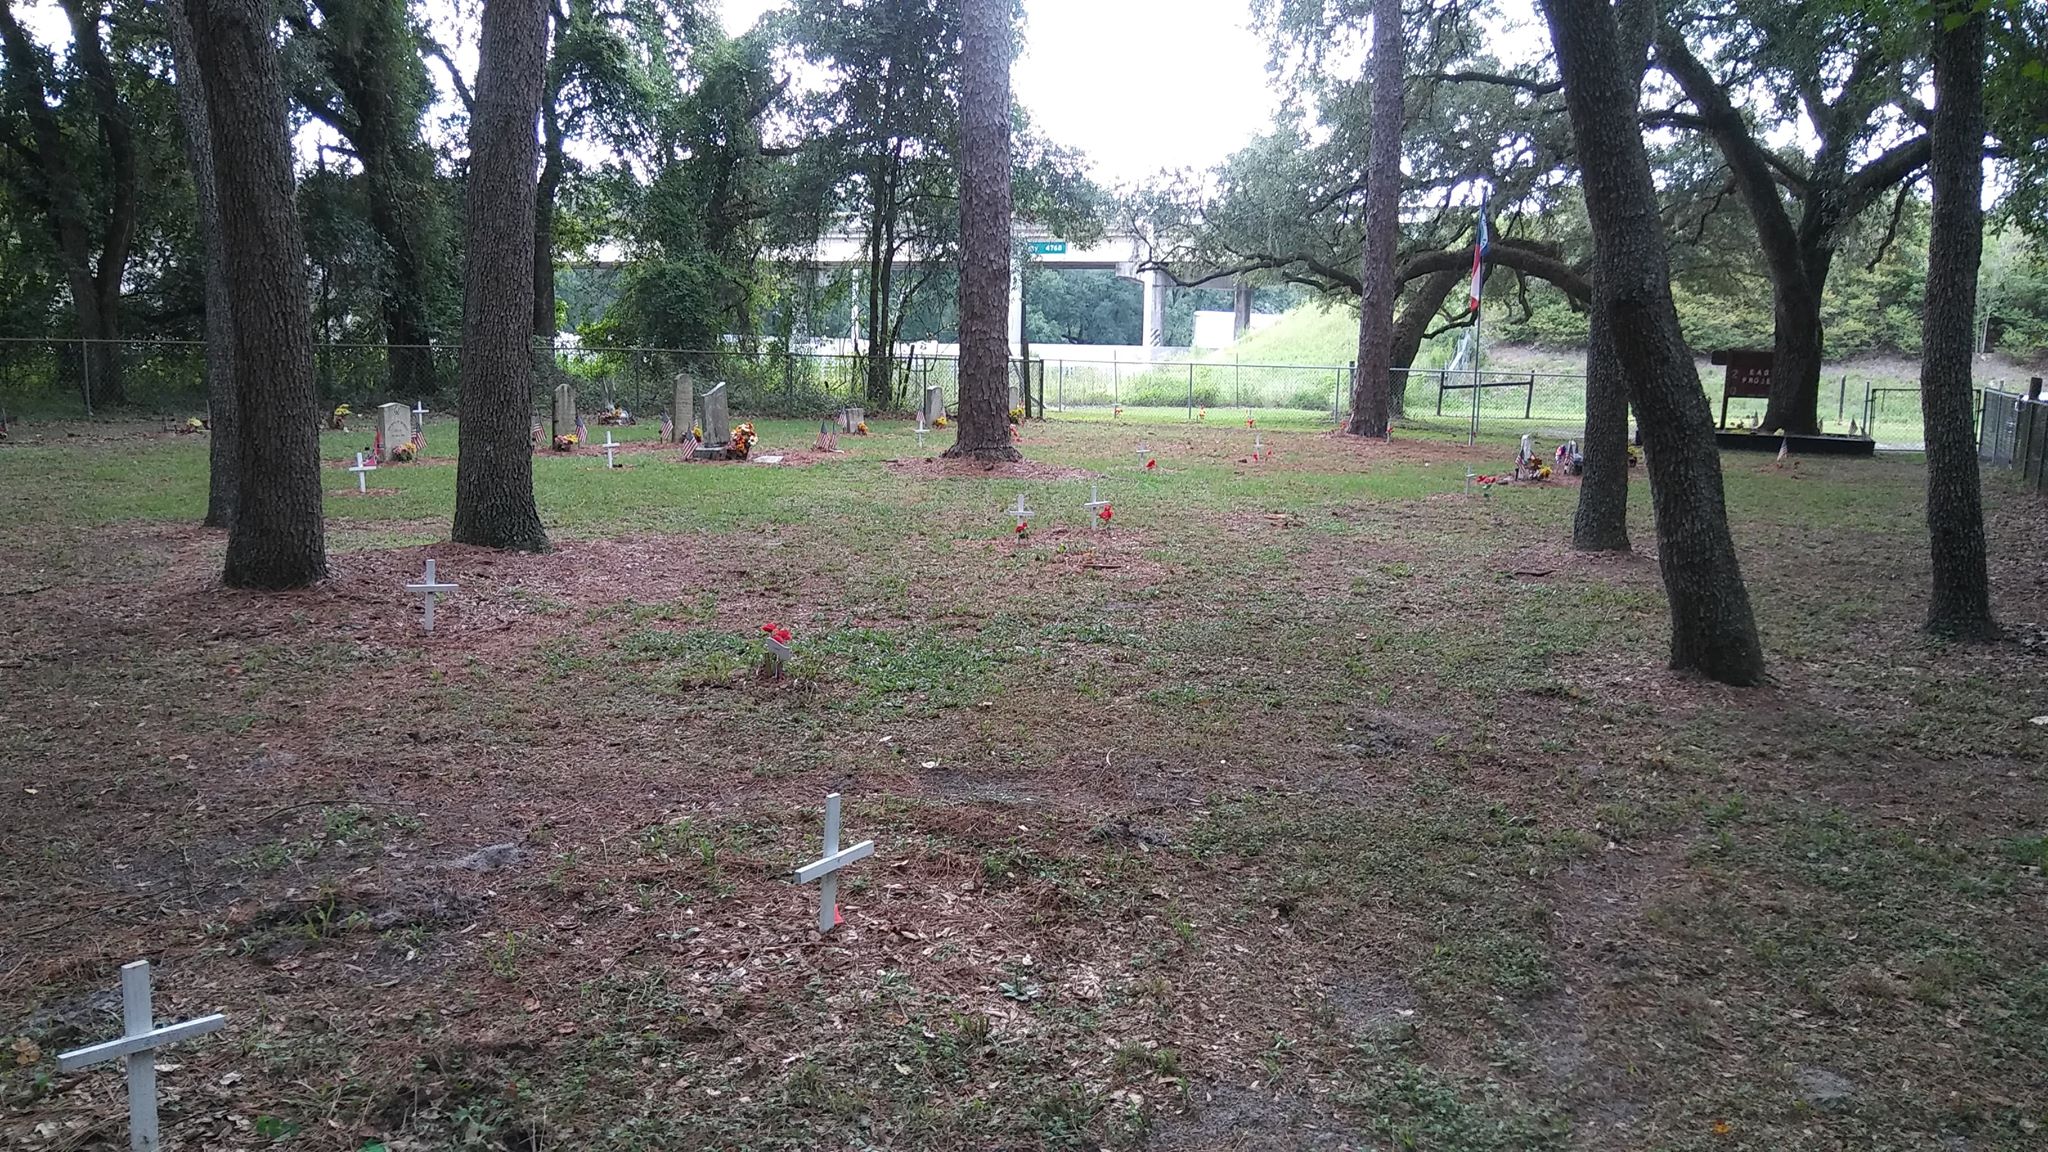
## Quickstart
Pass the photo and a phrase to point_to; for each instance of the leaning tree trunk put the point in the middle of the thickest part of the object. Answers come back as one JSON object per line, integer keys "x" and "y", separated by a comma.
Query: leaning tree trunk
{"x": 494, "y": 503}
{"x": 1961, "y": 601}
{"x": 1601, "y": 523}
{"x": 1376, "y": 277}
{"x": 985, "y": 233}
{"x": 1713, "y": 630}
{"x": 553, "y": 164}
{"x": 223, "y": 427}
{"x": 278, "y": 539}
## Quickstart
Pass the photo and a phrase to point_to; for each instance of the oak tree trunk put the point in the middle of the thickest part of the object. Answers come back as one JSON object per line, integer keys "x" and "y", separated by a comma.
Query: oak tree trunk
{"x": 222, "y": 424}
{"x": 494, "y": 504}
{"x": 1601, "y": 522}
{"x": 1961, "y": 602}
{"x": 278, "y": 539}
{"x": 985, "y": 234}
{"x": 1376, "y": 277}
{"x": 1713, "y": 630}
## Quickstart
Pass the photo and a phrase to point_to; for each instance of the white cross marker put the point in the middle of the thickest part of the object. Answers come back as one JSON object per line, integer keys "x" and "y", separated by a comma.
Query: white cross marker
{"x": 826, "y": 870}
{"x": 428, "y": 589}
{"x": 362, "y": 472}
{"x": 921, "y": 431}
{"x": 1022, "y": 513}
{"x": 1095, "y": 503}
{"x": 419, "y": 415}
{"x": 1258, "y": 446}
{"x": 609, "y": 448}
{"x": 1144, "y": 457}
{"x": 136, "y": 1049}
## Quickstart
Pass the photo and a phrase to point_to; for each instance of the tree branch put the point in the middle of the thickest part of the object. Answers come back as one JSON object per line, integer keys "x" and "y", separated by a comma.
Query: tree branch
{"x": 1533, "y": 87}
{"x": 433, "y": 51}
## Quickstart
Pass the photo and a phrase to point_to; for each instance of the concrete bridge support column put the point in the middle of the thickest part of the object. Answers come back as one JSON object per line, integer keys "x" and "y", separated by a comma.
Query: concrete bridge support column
{"x": 1155, "y": 308}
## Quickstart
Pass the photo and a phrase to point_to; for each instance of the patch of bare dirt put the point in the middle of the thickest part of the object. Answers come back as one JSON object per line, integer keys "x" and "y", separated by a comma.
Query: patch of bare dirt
{"x": 938, "y": 468}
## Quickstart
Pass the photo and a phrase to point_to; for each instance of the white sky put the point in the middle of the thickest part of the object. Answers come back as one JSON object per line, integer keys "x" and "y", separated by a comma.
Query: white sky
{"x": 1138, "y": 85}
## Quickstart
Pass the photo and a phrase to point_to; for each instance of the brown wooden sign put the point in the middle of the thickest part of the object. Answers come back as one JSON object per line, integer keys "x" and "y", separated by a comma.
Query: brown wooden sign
{"x": 1748, "y": 376}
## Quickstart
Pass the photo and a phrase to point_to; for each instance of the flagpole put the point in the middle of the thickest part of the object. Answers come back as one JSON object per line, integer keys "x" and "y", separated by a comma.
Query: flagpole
{"x": 1478, "y": 313}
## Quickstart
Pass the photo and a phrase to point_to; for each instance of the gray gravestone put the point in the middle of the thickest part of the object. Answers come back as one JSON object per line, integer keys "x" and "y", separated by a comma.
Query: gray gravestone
{"x": 565, "y": 409}
{"x": 717, "y": 424}
{"x": 394, "y": 427}
{"x": 934, "y": 405}
{"x": 686, "y": 405}
{"x": 850, "y": 419}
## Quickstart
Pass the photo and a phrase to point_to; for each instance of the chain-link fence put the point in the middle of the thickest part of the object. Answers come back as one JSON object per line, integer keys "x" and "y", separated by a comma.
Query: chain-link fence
{"x": 2014, "y": 434}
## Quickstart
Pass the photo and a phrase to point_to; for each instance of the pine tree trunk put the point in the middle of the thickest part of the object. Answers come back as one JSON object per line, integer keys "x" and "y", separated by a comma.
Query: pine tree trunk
{"x": 278, "y": 539}
{"x": 1961, "y": 602}
{"x": 985, "y": 234}
{"x": 223, "y": 427}
{"x": 1713, "y": 630}
{"x": 494, "y": 504}
{"x": 1378, "y": 288}
{"x": 1601, "y": 523}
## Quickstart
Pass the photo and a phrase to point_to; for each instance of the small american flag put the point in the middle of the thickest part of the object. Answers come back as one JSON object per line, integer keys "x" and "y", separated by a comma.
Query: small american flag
{"x": 668, "y": 428}
{"x": 536, "y": 433}
{"x": 581, "y": 433}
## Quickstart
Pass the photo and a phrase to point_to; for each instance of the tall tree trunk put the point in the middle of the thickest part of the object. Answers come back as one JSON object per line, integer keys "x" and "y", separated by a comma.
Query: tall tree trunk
{"x": 1797, "y": 350}
{"x": 984, "y": 233}
{"x": 1376, "y": 277}
{"x": 278, "y": 539}
{"x": 1713, "y": 630}
{"x": 1601, "y": 522}
{"x": 494, "y": 503}
{"x": 223, "y": 428}
{"x": 554, "y": 163}
{"x": 1961, "y": 601}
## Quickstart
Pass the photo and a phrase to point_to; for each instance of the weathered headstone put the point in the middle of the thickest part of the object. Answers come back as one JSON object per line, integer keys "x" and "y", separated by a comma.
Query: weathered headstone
{"x": 686, "y": 404}
{"x": 850, "y": 419}
{"x": 934, "y": 409}
{"x": 565, "y": 410}
{"x": 394, "y": 429}
{"x": 717, "y": 424}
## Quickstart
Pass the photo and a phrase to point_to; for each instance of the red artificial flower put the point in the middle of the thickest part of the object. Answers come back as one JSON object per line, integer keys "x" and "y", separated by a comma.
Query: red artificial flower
{"x": 1249, "y": 422}
{"x": 1020, "y": 527}
{"x": 770, "y": 627}
{"x": 1104, "y": 515}
{"x": 1151, "y": 465}
{"x": 782, "y": 635}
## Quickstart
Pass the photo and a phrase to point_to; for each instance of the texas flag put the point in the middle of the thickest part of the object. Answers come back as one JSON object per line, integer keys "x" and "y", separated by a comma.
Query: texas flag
{"x": 1481, "y": 251}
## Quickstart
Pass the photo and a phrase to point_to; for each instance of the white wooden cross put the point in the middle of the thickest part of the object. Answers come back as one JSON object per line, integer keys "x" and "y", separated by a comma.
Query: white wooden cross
{"x": 419, "y": 416}
{"x": 921, "y": 430}
{"x": 136, "y": 1049}
{"x": 609, "y": 448}
{"x": 826, "y": 870}
{"x": 428, "y": 590}
{"x": 1258, "y": 447}
{"x": 1095, "y": 503}
{"x": 1144, "y": 456}
{"x": 1022, "y": 513}
{"x": 362, "y": 472}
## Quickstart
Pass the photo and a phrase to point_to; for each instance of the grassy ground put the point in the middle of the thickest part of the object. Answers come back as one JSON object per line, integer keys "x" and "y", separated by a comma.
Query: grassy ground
{"x": 1313, "y": 805}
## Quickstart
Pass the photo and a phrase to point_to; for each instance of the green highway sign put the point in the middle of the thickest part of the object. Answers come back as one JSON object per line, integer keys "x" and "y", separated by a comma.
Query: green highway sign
{"x": 1048, "y": 247}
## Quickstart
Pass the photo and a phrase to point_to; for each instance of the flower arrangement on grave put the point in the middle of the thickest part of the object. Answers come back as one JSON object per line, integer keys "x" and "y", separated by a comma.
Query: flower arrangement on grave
{"x": 860, "y": 429}
{"x": 405, "y": 453}
{"x": 939, "y": 423}
{"x": 617, "y": 417}
{"x": 567, "y": 442}
{"x": 337, "y": 420}
{"x": 1016, "y": 415}
{"x": 776, "y": 632}
{"x": 195, "y": 424}
{"x": 742, "y": 442}
{"x": 1116, "y": 411}
{"x": 776, "y": 651}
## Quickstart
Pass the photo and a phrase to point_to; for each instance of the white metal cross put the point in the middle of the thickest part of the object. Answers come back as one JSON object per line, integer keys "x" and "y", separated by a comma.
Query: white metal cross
{"x": 826, "y": 870}
{"x": 1258, "y": 447}
{"x": 428, "y": 589}
{"x": 362, "y": 472}
{"x": 609, "y": 448}
{"x": 419, "y": 415}
{"x": 1144, "y": 456}
{"x": 1022, "y": 513}
{"x": 136, "y": 1049}
{"x": 921, "y": 431}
